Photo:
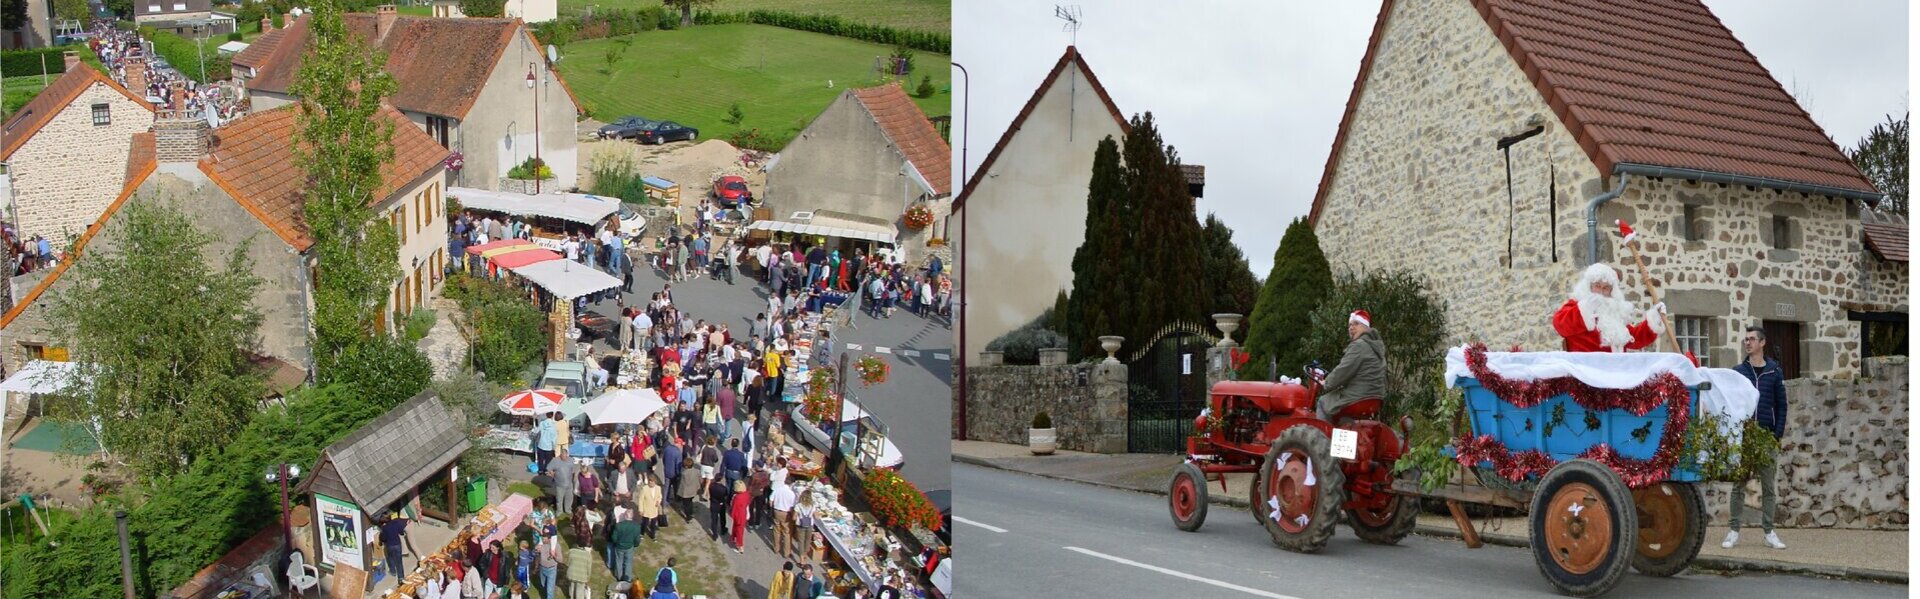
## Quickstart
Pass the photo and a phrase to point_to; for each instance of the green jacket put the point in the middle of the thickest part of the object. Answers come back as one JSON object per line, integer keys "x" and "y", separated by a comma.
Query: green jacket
{"x": 626, "y": 535}
{"x": 1362, "y": 373}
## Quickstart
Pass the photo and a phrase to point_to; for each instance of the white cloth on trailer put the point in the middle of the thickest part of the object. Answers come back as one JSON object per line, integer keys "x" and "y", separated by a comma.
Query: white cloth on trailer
{"x": 1730, "y": 396}
{"x": 576, "y": 207}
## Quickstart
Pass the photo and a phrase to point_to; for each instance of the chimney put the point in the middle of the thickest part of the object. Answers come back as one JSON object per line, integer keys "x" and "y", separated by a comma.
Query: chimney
{"x": 383, "y": 17}
{"x": 266, "y": 23}
{"x": 72, "y": 58}
{"x": 136, "y": 75}
{"x": 177, "y": 99}
{"x": 180, "y": 139}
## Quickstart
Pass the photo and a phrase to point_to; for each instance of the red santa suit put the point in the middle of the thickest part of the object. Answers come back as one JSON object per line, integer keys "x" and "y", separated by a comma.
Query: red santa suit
{"x": 1576, "y": 337}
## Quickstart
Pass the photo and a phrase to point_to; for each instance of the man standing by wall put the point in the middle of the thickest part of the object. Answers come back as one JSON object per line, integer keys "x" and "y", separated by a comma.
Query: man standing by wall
{"x": 1772, "y": 414}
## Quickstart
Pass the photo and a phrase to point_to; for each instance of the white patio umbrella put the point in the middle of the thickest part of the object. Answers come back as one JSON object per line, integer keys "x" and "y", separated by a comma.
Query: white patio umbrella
{"x": 623, "y": 406}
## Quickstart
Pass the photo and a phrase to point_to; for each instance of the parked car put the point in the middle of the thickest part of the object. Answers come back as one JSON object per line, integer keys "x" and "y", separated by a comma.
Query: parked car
{"x": 626, "y": 127}
{"x": 666, "y": 131}
{"x": 732, "y": 191}
{"x": 632, "y": 225}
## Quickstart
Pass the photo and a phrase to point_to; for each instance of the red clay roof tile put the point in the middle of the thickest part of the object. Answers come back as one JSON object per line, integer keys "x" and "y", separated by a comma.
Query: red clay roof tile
{"x": 141, "y": 155}
{"x": 910, "y": 131}
{"x": 1887, "y": 240}
{"x": 258, "y": 52}
{"x": 439, "y": 65}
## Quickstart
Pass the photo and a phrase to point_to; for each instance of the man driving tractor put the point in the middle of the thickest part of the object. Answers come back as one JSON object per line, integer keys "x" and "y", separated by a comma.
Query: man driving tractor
{"x": 1362, "y": 372}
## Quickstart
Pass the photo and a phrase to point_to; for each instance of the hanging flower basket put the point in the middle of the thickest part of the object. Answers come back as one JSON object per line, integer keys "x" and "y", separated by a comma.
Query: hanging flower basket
{"x": 455, "y": 162}
{"x": 896, "y": 502}
{"x": 917, "y": 217}
{"x": 872, "y": 369}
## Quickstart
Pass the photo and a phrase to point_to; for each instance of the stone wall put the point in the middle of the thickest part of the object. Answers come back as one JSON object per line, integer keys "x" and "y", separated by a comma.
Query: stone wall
{"x": 71, "y": 169}
{"x": 1845, "y": 458}
{"x": 1001, "y": 402}
{"x": 1418, "y": 185}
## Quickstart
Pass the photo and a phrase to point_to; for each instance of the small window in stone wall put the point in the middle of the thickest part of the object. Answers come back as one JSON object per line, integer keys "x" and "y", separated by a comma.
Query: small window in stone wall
{"x": 1689, "y": 222}
{"x": 1691, "y": 332}
{"x": 1782, "y": 232}
{"x": 102, "y": 115}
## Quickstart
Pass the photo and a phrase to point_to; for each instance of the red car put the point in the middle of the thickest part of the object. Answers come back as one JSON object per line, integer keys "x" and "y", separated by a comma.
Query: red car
{"x": 732, "y": 192}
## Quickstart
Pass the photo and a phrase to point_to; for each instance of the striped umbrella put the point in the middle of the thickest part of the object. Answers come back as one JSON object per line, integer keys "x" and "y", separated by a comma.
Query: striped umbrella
{"x": 532, "y": 401}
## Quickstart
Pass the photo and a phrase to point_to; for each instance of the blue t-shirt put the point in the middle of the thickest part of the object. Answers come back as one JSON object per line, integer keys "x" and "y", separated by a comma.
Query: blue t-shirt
{"x": 686, "y": 396}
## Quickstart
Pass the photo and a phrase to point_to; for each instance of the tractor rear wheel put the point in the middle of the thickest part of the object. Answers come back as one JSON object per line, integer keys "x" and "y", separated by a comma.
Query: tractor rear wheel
{"x": 1673, "y": 526}
{"x": 1584, "y": 531}
{"x": 1301, "y": 487}
{"x": 1387, "y": 525}
{"x": 1187, "y": 497}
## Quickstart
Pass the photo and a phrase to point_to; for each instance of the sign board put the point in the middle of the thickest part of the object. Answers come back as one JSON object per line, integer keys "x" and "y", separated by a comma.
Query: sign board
{"x": 1345, "y": 443}
{"x": 1783, "y": 309}
{"x": 342, "y": 533}
{"x": 348, "y": 583}
{"x": 1186, "y": 363}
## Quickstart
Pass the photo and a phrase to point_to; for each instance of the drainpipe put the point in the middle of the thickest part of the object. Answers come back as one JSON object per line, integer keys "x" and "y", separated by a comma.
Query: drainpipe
{"x": 1593, "y": 215}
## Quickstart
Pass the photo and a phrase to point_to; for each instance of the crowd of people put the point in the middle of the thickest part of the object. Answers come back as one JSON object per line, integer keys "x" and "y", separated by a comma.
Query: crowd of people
{"x": 30, "y": 254}
{"x": 884, "y": 283}
{"x": 115, "y": 46}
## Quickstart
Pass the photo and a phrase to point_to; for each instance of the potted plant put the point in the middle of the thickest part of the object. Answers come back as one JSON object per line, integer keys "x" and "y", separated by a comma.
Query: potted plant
{"x": 917, "y": 217}
{"x": 1040, "y": 439}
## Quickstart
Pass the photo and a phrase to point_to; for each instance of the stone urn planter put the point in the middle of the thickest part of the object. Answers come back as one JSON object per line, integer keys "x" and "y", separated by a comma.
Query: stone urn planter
{"x": 1111, "y": 343}
{"x": 1040, "y": 438}
{"x": 1228, "y": 323}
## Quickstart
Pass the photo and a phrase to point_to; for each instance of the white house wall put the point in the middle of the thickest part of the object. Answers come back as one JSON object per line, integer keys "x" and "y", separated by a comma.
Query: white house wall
{"x": 504, "y": 111}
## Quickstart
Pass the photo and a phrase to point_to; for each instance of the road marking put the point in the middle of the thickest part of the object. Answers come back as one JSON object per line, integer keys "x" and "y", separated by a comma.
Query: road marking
{"x": 985, "y": 526}
{"x": 883, "y": 350}
{"x": 939, "y": 356}
{"x": 1179, "y": 574}
{"x": 910, "y": 353}
{"x": 853, "y": 346}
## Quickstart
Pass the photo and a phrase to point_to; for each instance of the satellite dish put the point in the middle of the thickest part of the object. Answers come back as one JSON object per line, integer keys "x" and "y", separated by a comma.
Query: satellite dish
{"x": 553, "y": 54}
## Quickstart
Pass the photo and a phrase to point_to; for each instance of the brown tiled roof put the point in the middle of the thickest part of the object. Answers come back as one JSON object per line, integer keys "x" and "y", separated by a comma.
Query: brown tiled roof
{"x": 439, "y": 65}
{"x": 1653, "y": 82}
{"x": 260, "y": 50}
{"x": 1886, "y": 240}
{"x": 910, "y": 131}
{"x": 141, "y": 155}
{"x": 55, "y": 97}
{"x": 46, "y": 282}
{"x": 1071, "y": 57}
{"x": 1196, "y": 173}
{"x": 253, "y": 161}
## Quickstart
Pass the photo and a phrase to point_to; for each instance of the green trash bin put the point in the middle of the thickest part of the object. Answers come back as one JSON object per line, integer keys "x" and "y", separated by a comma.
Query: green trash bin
{"x": 476, "y": 494}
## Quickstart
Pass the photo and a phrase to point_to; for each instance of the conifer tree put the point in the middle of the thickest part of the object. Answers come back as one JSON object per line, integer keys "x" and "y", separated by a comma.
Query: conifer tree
{"x": 1278, "y": 326}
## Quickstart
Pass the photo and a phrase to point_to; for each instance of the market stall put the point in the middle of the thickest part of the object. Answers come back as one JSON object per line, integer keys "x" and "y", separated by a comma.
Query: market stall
{"x": 823, "y": 228}
{"x": 564, "y": 281}
{"x": 507, "y": 253}
{"x": 492, "y": 523}
{"x": 551, "y": 215}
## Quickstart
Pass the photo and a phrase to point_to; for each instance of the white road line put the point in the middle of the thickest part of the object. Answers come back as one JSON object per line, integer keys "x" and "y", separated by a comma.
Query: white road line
{"x": 985, "y": 526}
{"x": 853, "y": 346}
{"x": 883, "y": 350}
{"x": 910, "y": 353}
{"x": 1179, "y": 574}
{"x": 939, "y": 356}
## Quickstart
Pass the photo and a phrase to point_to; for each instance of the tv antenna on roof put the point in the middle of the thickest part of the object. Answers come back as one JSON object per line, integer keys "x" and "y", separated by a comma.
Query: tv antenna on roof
{"x": 1071, "y": 14}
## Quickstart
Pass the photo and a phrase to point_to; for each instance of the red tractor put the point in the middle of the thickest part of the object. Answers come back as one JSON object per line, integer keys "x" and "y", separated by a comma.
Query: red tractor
{"x": 1306, "y": 469}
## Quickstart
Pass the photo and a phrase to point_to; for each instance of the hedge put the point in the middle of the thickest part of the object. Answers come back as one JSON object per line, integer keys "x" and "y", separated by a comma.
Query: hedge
{"x": 15, "y": 63}
{"x": 927, "y": 41}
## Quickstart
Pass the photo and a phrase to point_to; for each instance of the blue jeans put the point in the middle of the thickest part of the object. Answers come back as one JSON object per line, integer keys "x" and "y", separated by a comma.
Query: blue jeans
{"x": 394, "y": 566}
{"x": 546, "y": 581}
{"x": 622, "y": 565}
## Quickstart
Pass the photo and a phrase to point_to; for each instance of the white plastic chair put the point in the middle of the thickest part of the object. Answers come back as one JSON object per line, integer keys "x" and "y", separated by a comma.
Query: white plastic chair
{"x": 301, "y": 576}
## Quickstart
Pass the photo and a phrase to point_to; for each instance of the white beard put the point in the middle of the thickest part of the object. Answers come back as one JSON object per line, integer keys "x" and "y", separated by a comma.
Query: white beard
{"x": 1610, "y": 315}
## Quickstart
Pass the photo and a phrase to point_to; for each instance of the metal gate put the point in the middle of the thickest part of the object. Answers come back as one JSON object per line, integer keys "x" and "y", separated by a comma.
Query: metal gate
{"x": 1166, "y": 389}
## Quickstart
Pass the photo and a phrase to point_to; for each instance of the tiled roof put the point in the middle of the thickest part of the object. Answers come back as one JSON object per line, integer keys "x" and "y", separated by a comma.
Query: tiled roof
{"x": 397, "y": 451}
{"x": 439, "y": 65}
{"x": 51, "y": 100}
{"x": 1196, "y": 175}
{"x": 260, "y": 50}
{"x": 1653, "y": 82}
{"x": 253, "y": 160}
{"x": 141, "y": 154}
{"x": 910, "y": 131}
{"x": 1071, "y": 57}
{"x": 1886, "y": 240}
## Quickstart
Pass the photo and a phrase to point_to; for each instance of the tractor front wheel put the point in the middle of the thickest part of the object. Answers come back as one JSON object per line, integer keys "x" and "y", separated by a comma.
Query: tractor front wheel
{"x": 1584, "y": 531}
{"x": 1256, "y": 502}
{"x": 1301, "y": 488}
{"x": 1673, "y": 526}
{"x": 1187, "y": 497}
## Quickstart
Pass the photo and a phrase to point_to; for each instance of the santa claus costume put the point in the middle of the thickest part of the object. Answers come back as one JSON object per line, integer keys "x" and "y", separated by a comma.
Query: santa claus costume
{"x": 1591, "y": 322}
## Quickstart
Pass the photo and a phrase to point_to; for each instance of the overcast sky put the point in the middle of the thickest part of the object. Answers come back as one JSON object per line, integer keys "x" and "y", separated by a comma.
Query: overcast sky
{"x": 1254, "y": 89}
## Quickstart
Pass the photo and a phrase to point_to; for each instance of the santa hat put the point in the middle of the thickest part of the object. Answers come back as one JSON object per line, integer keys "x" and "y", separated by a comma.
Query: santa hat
{"x": 1362, "y": 317}
{"x": 1626, "y": 232}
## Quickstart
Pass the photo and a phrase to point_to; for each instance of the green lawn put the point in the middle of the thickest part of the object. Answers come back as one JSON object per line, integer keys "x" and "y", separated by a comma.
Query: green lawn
{"x": 693, "y": 76}
{"x": 924, "y": 15}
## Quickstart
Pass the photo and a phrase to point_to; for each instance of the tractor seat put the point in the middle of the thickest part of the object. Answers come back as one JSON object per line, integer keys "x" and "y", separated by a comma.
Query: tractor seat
{"x": 1365, "y": 409}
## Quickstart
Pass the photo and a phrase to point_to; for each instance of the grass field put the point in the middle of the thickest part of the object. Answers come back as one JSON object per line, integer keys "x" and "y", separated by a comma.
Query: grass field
{"x": 924, "y": 15}
{"x": 693, "y": 76}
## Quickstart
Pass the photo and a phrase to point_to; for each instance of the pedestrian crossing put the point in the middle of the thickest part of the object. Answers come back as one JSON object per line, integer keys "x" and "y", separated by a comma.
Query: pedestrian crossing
{"x": 902, "y": 352}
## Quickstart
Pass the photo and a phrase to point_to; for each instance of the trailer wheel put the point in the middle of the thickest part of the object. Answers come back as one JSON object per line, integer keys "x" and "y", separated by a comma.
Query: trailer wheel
{"x": 1187, "y": 497}
{"x": 1302, "y": 488}
{"x": 1673, "y": 526}
{"x": 1583, "y": 529}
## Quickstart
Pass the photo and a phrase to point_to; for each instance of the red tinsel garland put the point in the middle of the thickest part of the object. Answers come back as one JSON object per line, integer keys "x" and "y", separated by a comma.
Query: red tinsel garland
{"x": 1660, "y": 388}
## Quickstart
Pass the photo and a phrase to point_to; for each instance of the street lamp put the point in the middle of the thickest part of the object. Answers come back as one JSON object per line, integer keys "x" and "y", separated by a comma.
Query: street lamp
{"x": 281, "y": 473}
{"x": 536, "y": 128}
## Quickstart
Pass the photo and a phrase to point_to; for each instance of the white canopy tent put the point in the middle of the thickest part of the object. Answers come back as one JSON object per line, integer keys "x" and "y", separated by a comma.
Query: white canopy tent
{"x": 576, "y": 207}
{"x": 844, "y": 231}
{"x": 567, "y": 279}
{"x": 39, "y": 376}
{"x": 624, "y": 406}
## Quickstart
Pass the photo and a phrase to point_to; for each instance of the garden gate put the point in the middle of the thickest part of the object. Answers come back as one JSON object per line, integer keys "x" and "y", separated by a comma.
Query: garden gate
{"x": 1166, "y": 388}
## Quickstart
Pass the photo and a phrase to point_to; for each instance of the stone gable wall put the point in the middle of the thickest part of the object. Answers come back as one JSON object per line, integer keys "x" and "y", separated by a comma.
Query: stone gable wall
{"x": 70, "y": 170}
{"x": 1420, "y": 186}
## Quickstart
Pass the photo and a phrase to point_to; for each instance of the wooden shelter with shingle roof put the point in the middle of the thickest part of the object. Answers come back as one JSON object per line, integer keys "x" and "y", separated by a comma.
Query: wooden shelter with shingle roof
{"x": 384, "y": 464}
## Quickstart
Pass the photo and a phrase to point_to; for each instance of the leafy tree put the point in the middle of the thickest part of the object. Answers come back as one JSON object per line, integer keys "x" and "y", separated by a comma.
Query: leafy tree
{"x": 734, "y": 115}
{"x": 504, "y": 329}
{"x": 483, "y": 8}
{"x": 385, "y": 371}
{"x": 1409, "y": 318}
{"x": 926, "y": 88}
{"x": 342, "y": 144}
{"x": 686, "y": 9}
{"x": 1299, "y": 279}
{"x": 163, "y": 340}
{"x": 72, "y": 9}
{"x": 1230, "y": 283}
{"x": 1099, "y": 263}
{"x": 1882, "y": 157}
{"x": 615, "y": 52}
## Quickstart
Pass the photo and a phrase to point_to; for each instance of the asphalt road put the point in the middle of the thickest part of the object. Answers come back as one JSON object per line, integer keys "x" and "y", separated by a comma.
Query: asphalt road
{"x": 915, "y": 401}
{"x": 1024, "y": 536}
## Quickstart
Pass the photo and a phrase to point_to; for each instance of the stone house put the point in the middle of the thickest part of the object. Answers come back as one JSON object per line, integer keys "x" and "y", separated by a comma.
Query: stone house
{"x": 238, "y": 183}
{"x": 477, "y": 86}
{"x": 872, "y": 154}
{"x": 1027, "y": 203}
{"x": 1480, "y": 134}
{"x": 67, "y": 151}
